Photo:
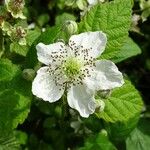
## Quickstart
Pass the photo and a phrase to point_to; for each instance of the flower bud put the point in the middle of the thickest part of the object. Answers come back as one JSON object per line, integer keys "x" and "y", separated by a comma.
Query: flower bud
{"x": 100, "y": 105}
{"x": 15, "y": 7}
{"x": 104, "y": 93}
{"x": 82, "y": 4}
{"x": 71, "y": 27}
{"x": 28, "y": 74}
{"x": 104, "y": 132}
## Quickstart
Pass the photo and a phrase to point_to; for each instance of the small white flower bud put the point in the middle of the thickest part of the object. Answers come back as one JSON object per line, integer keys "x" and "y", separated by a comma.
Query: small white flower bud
{"x": 71, "y": 27}
{"x": 100, "y": 105}
{"x": 28, "y": 74}
{"x": 104, "y": 132}
{"x": 104, "y": 93}
{"x": 82, "y": 4}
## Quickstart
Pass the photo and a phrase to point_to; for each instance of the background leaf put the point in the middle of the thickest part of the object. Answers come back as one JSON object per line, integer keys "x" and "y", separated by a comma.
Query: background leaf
{"x": 129, "y": 49}
{"x": 123, "y": 104}
{"x": 114, "y": 19}
{"x": 13, "y": 140}
{"x": 15, "y": 97}
{"x": 19, "y": 49}
{"x": 138, "y": 140}
{"x": 7, "y": 70}
{"x": 98, "y": 142}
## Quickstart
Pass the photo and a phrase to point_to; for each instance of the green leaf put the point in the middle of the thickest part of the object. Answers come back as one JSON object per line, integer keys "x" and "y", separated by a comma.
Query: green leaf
{"x": 15, "y": 97}
{"x": 32, "y": 35}
{"x": 19, "y": 49}
{"x": 98, "y": 142}
{"x": 113, "y": 18}
{"x": 129, "y": 49}
{"x": 7, "y": 70}
{"x": 119, "y": 131}
{"x": 123, "y": 104}
{"x": 14, "y": 108}
{"x": 138, "y": 140}
{"x": 9, "y": 142}
{"x": 13, "y": 140}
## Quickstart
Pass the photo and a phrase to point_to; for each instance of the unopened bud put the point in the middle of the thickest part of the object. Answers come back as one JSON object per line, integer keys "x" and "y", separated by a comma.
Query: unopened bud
{"x": 82, "y": 4}
{"x": 104, "y": 93}
{"x": 28, "y": 74}
{"x": 104, "y": 132}
{"x": 100, "y": 105}
{"x": 71, "y": 27}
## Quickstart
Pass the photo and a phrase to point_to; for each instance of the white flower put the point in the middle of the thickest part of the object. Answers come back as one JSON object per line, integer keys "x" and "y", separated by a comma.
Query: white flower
{"x": 73, "y": 67}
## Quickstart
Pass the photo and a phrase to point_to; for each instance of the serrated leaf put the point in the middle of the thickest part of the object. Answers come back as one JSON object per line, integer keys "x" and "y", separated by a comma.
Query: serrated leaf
{"x": 7, "y": 70}
{"x": 119, "y": 131}
{"x": 12, "y": 140}
{"x": 98, "y": 142}
{"x": 129, "y": 49}
{"x": 112, "y": 18}
{"x": 14, "y": 108}
{"x": 138, "y": 140}
{"x": 9, "y": 142}
{"x": 123, "y": 104}
{"x": 15, "y": 98}
{"x": 19, "y": 49}
{"x": 32, "y": 35}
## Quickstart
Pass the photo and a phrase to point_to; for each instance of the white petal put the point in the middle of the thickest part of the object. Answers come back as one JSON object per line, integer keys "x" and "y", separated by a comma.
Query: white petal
{"x": 95, "y": 41}
{"x": 105, "y": 76}
{"x": 45, "y": 87}
{"x": 44, "y": 52}
{"x": 81, "y": 99}
{"x": 92, "y": 2}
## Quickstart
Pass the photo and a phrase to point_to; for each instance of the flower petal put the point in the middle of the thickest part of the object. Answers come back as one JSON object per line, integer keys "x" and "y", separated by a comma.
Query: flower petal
{"x": 81, "y": 99}
{"x": 95, "y": 42}
{"x": 46, "y": 53}
{"x": 44, "y": 86}
{"x": 105, "y": 75}
{"x": 92, "y": 2}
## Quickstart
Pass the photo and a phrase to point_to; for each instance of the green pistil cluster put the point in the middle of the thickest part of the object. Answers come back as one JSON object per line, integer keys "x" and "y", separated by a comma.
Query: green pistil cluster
{"x": 72, "y": 67}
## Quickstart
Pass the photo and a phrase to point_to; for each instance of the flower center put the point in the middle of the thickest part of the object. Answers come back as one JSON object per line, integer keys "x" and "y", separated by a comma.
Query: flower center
{"x": 71, "y": 67}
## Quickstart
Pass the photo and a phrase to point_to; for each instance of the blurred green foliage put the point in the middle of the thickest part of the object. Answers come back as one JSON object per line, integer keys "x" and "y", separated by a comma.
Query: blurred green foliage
{"x": 28, "y": 123}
